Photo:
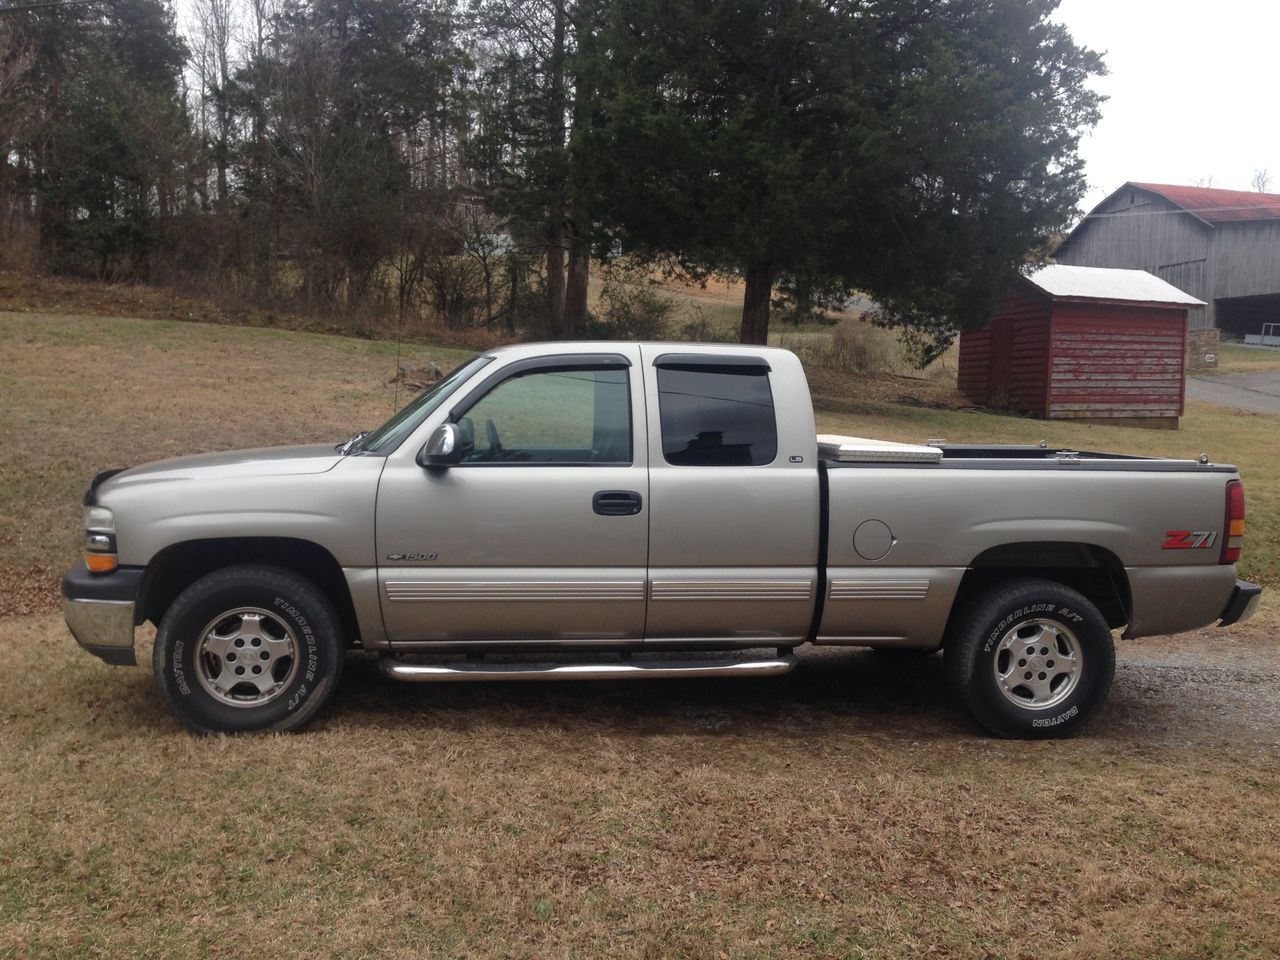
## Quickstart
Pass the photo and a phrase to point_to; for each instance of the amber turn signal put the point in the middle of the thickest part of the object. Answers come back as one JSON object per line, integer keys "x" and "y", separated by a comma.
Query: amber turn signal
{"x": 100, "y": 562}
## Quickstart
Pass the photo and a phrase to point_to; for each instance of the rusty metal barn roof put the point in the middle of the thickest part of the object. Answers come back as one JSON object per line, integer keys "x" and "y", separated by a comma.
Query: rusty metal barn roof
{"x": 1105, "y": 283}
{"x": 1217, "y": 206}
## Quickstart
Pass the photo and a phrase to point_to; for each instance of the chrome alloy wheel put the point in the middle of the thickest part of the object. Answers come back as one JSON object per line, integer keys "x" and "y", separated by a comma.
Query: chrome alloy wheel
{"x": 1038, "y": 664}
{"x": 247, "y": 657}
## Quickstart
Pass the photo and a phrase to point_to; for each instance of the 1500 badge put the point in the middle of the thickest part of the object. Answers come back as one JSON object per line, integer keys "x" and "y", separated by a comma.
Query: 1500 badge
{"x": 393, "y": 557}
{"x": 1189, "y": 539}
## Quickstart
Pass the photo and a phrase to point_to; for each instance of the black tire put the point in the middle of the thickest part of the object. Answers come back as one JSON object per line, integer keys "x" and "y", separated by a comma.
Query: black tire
{"x": 224, "y": 610}
{"x": 1000, "y": 639}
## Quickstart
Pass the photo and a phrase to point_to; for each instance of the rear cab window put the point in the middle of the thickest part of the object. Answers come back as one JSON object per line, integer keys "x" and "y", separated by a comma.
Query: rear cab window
{"x": 716, "y": 412}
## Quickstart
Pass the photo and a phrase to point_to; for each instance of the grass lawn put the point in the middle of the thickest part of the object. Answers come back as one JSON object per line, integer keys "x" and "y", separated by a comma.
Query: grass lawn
{"x": 1234, "y": 358}
{"x": 846, "y": 810}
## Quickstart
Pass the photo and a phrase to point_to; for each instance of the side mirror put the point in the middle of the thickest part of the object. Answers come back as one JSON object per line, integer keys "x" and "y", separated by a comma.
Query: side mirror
{"x": 444, "y": 448}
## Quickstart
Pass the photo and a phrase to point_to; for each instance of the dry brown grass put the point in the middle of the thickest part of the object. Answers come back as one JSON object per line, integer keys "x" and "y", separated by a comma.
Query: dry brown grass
{"x": 42, "y": 294}
{"x": 30, "y": 292}
{"x": 841, "y": 812}
{"x": 1233, "y": 358}
{"x": 85, "y": 394}
{"x": 846, "y": 810}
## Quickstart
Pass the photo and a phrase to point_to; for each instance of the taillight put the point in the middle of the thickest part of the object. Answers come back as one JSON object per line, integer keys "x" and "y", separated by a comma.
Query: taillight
{"x": 1233, "y": 527}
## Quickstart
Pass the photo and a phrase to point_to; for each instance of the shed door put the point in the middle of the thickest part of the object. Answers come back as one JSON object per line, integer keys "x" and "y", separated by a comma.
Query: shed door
{"x": 1001, "y": 354}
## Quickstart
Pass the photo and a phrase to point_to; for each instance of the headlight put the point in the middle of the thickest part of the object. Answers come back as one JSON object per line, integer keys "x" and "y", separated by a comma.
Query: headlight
{"x": 99, "y": 518}
{"x": 99, "y": 540}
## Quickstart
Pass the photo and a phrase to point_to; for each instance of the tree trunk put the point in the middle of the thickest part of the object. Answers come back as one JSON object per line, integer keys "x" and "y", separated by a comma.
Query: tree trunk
{"x": 580, "y": 221}
{"x": 487, "y": 268}
{"x": 7, "y": 216}
{"x": 514, "y": 282}
{"x": 555, "y": 280}
{"x": 556, "y": 221}
{"x": 755, "y": 303}
{"x": 220, "y": 152}
{"x": 575, "y": 294}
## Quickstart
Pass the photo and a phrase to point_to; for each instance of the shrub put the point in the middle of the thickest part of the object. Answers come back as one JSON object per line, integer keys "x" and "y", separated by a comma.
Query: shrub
{"x": 702, "y": 330}
{"x": 630, "y": 309}
{"x": 852, "y": 347}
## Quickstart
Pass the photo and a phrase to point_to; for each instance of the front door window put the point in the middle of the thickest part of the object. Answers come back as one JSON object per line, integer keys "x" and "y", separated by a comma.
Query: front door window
{"x": 553, "y": 417}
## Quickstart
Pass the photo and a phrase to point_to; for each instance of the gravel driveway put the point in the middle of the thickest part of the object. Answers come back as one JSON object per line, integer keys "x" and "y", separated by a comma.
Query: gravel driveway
{"x": 1210, "y": 688}
{"x": 1258, "y": 392}
{"x": 1213, "y": 687}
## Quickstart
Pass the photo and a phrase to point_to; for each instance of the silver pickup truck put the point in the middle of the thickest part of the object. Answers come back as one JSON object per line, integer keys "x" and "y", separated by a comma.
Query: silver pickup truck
{"x": 614, "y": 511}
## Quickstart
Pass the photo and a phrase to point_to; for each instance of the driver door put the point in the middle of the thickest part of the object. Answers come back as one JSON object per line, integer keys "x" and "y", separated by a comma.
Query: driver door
{"x": 541, "y": 532}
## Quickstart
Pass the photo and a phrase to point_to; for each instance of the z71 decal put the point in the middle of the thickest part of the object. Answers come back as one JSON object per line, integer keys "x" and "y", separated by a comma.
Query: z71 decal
{"x": 1189, "y": 539}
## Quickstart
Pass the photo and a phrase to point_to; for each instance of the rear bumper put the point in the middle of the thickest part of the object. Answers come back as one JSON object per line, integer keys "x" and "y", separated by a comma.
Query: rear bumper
{"x": 1243, "y": 603}
{"x": 99, "y": 611}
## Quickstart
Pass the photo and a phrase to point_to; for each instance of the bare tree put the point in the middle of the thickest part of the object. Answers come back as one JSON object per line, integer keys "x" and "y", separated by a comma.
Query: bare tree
{"x": 213, "y": 25}
{"x": 16, "y": 56}
{"x": 1261, "y": 180}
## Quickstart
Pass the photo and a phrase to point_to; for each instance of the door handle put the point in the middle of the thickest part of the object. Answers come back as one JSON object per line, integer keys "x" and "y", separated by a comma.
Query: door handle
{"x": 617, "y": 503}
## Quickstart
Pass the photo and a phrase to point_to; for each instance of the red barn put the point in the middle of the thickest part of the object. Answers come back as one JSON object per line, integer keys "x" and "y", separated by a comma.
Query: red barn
{"x": 1083, "y": 343}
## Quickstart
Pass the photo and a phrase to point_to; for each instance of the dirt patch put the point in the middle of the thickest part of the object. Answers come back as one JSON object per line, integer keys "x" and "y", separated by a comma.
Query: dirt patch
{"x": 27, "y": 591}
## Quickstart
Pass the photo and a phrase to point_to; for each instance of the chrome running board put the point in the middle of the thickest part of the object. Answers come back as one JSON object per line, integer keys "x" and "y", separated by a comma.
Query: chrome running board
{"x": 652, "y": 670}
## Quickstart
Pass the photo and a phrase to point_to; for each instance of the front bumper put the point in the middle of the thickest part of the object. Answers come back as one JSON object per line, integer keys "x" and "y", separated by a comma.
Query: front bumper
{"x": 1243, "y": 603}
{"x": 99, "y": 611}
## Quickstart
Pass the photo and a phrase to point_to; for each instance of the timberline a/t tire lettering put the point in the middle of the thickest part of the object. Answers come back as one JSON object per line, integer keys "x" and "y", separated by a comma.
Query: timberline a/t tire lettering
{"x": 309, "y": 674}
{"x": 1030, "y": 610}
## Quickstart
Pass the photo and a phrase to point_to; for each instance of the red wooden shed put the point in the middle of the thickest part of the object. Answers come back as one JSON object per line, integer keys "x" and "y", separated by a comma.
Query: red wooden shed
{"x": 1083, "y": 343}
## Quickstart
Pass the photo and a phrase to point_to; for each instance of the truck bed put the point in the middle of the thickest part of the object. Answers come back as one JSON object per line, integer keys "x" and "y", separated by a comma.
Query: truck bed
{"x": 857, "y": 452}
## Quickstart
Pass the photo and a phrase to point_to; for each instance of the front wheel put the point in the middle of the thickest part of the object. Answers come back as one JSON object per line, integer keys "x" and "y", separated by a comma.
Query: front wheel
{"x": 248, "y": 648}
{"x": 1031, "y": 659}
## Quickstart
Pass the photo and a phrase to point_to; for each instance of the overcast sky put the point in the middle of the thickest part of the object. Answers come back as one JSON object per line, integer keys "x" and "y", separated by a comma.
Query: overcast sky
{"x": 1193, "y": 89}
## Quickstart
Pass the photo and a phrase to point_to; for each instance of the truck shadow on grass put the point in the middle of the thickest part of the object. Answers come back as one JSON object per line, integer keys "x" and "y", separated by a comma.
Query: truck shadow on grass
{"x": 1161, "y": 702}
{"x": 857, "y": 692}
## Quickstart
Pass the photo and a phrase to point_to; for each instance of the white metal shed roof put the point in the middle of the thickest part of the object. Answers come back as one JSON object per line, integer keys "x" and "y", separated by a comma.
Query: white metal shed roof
{"x": 1106, "y": 283}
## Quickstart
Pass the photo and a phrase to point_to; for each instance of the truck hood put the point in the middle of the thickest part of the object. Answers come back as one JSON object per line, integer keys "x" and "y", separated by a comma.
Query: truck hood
{"x": 262, "y": 462}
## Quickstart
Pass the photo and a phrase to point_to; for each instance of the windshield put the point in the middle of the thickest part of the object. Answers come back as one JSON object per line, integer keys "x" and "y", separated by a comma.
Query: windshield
{"x": 392, "y": 433}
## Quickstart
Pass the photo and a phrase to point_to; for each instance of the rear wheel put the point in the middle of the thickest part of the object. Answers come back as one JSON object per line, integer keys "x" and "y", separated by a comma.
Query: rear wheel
{"x": 1031, "y": 659}
{"x": 248, "y": 648}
